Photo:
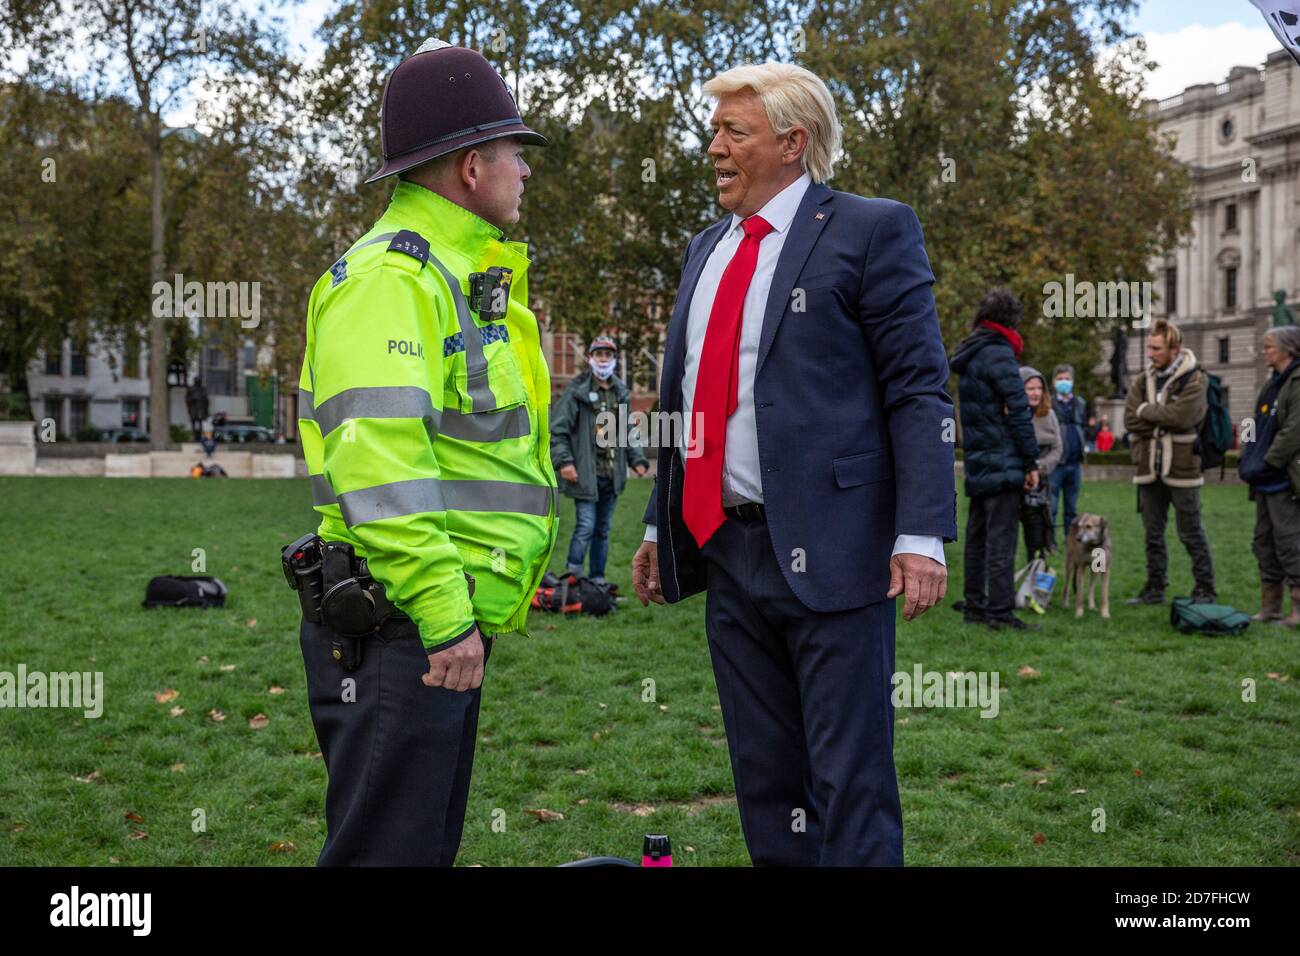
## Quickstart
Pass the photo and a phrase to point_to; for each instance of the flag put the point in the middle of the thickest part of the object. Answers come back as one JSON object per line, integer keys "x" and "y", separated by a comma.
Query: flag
{"x": 1283, "y": 18}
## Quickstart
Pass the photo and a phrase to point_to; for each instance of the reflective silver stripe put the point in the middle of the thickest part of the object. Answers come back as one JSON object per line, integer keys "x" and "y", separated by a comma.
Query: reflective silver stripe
{"x": 497, "y": 496}
{"x": 392, "y": 500}
{"x": 381, "y": 401}
{"x": 486, "y": 426}
{"x": 476, "y": 371}
{"x": 385, "y": 237}
{"x": 306, "y": 409}
{"x": 321, "y": 492}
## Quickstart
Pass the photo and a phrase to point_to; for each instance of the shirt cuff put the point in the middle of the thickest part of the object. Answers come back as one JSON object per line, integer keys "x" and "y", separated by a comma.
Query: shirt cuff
{"x": 651, "y": 533}
{"x": 929, "y": 545}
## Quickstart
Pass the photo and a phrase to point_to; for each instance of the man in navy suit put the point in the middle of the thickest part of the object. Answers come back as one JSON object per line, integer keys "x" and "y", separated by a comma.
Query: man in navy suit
{"x": 815, "y": 483}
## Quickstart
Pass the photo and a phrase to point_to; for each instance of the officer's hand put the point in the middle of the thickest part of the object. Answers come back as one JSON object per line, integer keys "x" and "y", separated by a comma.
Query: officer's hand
{"x": 569, "y": 473}
{"x": 641, "y": 470}
{"x": 1031, "y": 480}
{"x": 459, "y": 667}
{"x": 645, "y": 574}
{"x": 924, "y": 580}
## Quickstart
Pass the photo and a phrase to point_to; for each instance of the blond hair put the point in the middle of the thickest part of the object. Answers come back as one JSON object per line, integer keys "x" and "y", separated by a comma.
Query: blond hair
{"x": 792, "y": 96}
{"x": 1166, "y": 330}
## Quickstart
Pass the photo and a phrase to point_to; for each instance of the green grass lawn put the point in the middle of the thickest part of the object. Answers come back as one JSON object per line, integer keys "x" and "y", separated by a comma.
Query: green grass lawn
{"x": 1125, "y": 715}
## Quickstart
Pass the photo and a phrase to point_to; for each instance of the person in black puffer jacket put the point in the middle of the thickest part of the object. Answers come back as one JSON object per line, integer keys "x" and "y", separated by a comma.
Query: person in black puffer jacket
{"x": 999, "y": 455}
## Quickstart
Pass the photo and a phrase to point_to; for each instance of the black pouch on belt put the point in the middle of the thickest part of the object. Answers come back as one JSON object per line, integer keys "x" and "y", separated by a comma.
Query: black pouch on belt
{"x": 348, "y": 608}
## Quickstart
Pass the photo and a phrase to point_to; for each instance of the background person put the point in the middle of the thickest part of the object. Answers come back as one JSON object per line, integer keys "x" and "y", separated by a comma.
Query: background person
{"x": 1067, "y": 478}
{"x": 588, "y": 458}
{"x": 999, "y": 456}
{"x": 1047, "y": 432}
{"x": 1105, "y": 437}
{"x": 1165, "y": 407}
{"x": 1271, "y": 466}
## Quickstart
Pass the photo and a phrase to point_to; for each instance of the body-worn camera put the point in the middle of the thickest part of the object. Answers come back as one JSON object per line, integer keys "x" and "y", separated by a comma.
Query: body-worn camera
{"x": 489, "y": 292}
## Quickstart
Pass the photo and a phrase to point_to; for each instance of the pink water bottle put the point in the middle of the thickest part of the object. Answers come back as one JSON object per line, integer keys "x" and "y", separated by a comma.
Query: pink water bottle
{"x": 656, "y": 851}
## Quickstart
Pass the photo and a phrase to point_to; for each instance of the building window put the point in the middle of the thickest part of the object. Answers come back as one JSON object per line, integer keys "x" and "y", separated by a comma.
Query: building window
{"x": 1230, "y": 288}
{"x": 54, "y": 410}
{"x": 131, "y": 413}
{"x": 1171, "y": 290}
{"x": 77, "y": 356}
{"x": 1223, "y": 348}
{"x": 78, "y": 417}
{"x": 1230, "y": 217}
{"x": 54, "y": 361}
{"x": 1227, "y": 130}
{"x": 131, "y": 356}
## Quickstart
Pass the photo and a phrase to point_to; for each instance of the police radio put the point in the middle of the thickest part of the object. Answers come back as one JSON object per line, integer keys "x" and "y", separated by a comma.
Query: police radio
{"x": 489, "y": 292}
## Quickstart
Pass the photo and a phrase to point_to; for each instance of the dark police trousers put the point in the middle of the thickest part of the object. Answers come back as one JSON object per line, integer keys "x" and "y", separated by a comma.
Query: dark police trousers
{"x": 806, "y": 703}
{"x": 399, "y": 756}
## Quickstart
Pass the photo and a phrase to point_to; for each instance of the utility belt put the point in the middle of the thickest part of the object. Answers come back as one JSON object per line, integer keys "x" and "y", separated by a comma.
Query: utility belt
{"x": 337, "y": 591}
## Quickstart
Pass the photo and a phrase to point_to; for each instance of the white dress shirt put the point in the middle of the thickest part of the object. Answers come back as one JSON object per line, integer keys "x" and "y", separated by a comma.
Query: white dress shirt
{"x": 740, "y": 466}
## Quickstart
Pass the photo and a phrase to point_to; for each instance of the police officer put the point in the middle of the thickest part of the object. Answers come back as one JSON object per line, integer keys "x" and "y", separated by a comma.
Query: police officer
{"x": 423, "y": 416}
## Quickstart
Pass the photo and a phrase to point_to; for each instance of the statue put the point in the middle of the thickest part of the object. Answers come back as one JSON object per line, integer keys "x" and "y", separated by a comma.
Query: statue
{"x": 1119, "y": 363}
{"x": 1282, "y": 314}
{"x": 196, "y": 403}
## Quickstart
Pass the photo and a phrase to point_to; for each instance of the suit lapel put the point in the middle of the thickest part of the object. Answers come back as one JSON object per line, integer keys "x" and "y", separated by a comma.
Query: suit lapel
{"x": 805, "y": 228}
{"x": 675, "y": 345}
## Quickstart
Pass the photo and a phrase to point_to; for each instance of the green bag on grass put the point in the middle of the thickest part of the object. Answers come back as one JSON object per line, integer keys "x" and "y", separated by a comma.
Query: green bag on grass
{"x": 1214, "y": 620}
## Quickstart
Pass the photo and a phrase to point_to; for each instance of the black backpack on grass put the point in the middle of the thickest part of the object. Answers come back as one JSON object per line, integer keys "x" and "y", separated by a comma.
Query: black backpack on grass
{"x": 178, "y": 590}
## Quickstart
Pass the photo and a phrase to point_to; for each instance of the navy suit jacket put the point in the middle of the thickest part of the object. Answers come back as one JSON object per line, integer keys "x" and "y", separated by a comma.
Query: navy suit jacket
{"x": 855, "y": 425}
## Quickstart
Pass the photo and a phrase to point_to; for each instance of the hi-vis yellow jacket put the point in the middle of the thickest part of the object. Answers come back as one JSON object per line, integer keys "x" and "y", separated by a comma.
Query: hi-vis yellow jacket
{"x": 424, "y": 427}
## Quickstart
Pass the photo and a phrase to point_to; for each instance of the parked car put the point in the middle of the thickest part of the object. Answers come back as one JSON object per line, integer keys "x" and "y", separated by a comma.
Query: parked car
{"x": 239, "y": 434}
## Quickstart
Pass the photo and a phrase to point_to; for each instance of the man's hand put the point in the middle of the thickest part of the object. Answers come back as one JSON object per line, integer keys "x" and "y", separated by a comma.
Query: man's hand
{"x": 1031, "y": 480}
{"x": 569, "y": 473}
{"x": 924, "y": 579}
{"x": 645, "y": 574}
{"x": 459, "y": 667}
{"x": 641, "y": 470}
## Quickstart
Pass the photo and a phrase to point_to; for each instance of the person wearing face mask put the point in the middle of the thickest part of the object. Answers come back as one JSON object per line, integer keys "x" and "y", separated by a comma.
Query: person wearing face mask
{"x": 1072, "y": 413}
{"x": 588, "y": 458}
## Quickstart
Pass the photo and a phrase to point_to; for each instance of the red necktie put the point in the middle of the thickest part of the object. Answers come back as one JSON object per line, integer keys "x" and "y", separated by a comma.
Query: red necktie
{"x": 715, "y": 387}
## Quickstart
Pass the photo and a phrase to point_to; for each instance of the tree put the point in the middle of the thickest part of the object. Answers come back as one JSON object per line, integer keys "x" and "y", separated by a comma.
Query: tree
{"x": 151, "y": 54}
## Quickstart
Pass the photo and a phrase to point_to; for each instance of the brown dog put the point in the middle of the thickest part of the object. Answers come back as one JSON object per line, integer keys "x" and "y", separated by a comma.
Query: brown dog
{"x": 1087, "y": 549}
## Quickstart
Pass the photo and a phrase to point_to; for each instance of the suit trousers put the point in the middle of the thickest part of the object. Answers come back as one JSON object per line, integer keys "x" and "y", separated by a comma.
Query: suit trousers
{"x": 806, "y": 704}
{"x": 398, "y": 753}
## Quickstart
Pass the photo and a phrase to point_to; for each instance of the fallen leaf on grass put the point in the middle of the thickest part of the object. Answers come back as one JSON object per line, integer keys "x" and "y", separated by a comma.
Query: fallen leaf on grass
{"x": 133, "y": 816}
{"x": 251, "y": 622}
{"x": 636, "y": 809}
{"x": 177, "y": 711}
{"x": 167, "y": 696}
{"x": 546, "y": 816}
{"x": 88, "y": 778}
{"x": 1028, "y": 671}
{"x": 203, "y": 659}
{"x": 139, "y": 835}
{"x": 1040, "y": 839}
{"x": 178, "y": 768}
{"x": 275, "y": 690}
{"x": 216, "y": 716}
{"x": 581, "y": 771}
{"x": 258, "y": 721}
{"x": 228, "y": 667}
{"x": 663, "y": 708}
{"x": 1136, "y": 772}
{"x": 1039, "y": 783}
{"x": 1076, "y": 792}
{"x": 282, "y": 846}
